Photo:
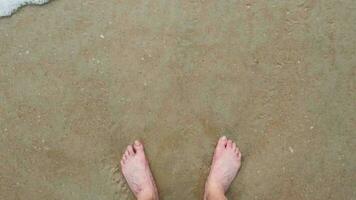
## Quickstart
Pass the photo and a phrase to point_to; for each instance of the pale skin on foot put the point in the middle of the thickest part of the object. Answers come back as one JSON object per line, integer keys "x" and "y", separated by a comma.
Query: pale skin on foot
{"x": 225, "y": 165}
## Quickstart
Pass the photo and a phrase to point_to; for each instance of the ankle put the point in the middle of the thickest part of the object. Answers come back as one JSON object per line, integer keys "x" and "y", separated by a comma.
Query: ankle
{"x": 214, "y": 192}
{"x": 147, "y": 195}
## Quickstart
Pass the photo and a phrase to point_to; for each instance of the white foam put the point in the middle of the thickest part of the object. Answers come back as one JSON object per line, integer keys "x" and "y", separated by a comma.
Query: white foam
{"x": 7, "y": 7}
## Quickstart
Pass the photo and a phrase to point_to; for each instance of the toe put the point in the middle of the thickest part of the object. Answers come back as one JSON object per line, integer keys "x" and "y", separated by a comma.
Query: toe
{"x": 234, "y": 146}
{"x": 237, "y": 150}
{"x": 239, "y": 155}
{"x": 127, "y": 154}
{"x": 124, "y": 158}
{"x": 229, "y": 144}
{"x": 138, "y": 146}
{"x": 130, "y": 150}
{"x": 222, "y": 142}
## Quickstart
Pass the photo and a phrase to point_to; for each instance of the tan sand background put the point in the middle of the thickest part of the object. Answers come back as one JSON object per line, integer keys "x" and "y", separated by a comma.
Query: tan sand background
{"x": 79, "y": 80}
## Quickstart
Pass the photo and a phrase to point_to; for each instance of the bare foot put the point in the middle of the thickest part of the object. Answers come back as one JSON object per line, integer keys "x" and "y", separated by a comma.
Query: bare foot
{"x": 226, "y": 163}
{"x": 137, "y": 172}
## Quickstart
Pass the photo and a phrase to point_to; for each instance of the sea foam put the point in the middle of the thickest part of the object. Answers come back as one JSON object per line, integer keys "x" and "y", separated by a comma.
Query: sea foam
{"x": 7, "y": 7}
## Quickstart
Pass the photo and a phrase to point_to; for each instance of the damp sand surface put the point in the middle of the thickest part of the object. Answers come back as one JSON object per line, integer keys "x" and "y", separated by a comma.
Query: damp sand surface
{"x": 79, "y": 80}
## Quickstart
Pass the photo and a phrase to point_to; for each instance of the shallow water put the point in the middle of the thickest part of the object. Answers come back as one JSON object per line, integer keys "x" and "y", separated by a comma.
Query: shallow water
{"x": 79, "y": 81}
{"x": 7, "y": 7}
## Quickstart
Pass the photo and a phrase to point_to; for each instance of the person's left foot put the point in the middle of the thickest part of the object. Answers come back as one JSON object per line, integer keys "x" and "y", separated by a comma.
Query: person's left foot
{"x": 137, "y": 172}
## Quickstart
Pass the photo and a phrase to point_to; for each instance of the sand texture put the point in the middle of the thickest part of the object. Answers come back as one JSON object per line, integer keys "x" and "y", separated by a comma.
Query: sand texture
{"x": 79, "y": 80}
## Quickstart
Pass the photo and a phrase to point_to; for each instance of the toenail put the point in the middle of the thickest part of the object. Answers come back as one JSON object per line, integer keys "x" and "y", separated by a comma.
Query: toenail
{"x": 137, "y": 142}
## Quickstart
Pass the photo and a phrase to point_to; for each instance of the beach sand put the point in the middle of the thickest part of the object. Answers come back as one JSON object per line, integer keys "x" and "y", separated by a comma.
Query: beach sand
{"x": 80, "y": 80}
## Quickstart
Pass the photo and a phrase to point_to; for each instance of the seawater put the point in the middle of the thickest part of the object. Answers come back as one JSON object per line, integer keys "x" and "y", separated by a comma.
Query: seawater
{"x": 8, "y": 7}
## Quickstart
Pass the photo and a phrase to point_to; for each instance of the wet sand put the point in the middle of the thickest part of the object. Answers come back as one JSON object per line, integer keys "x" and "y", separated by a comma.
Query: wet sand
{"x": 79, "y": 80}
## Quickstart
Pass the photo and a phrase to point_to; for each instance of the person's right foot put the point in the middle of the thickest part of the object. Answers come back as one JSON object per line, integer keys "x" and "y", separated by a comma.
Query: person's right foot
{"x": 226, "y": 163}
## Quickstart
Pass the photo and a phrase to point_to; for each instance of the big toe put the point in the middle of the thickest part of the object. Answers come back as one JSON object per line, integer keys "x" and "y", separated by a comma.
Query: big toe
{"x": 220, "y": 147}
{"x": 138, "y": 146}
{"x": 222, "y": 142}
